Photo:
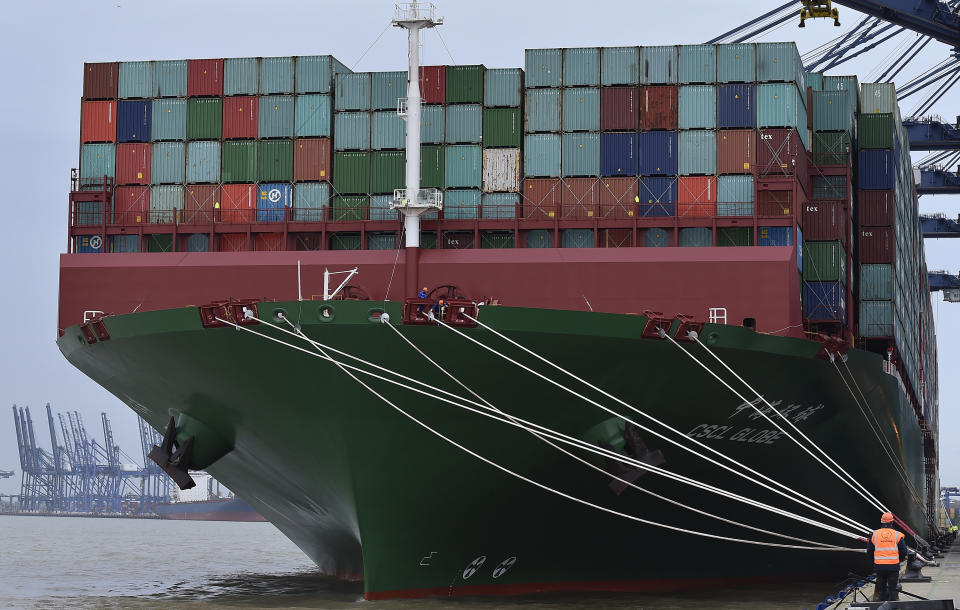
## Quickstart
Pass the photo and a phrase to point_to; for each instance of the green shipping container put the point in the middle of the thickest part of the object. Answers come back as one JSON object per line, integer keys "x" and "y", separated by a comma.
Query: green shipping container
{"x": 432, "y": 160}
{"x": 876, "y": 319}
{"x": 351, "y": 172}
{"x": 463, "y": 166}
{"x": 275, "y": 160}
{"x": 387, "y": 171}
{"x": 203, "y": 162}
{"x": 135, "y": 79}
{"x": 352, "y": 91}
{"x": 619, "y": 66}
{"x": 239, "y": 161}
{"x": 386, "y": 88}
{"x": 170, "y": 78}
{"x": 461, "y": 204}
{"x": 311, "y": 201}
{"x": 382, "y": 241}
{"x": 580, "y": 154}
{"x": 832, "y": 148}
{"x": 389, "y": 131}
{"x": 695, "y": 237}
{"x": 314, "y": 73}
{"x": 502, "y": 127}
{"x": 735, "y": 236}
{"x": 833, "y": 111}
{"x": 312, "y": 116}
{"x": 464, "y": 124}
{"x": 198, "y": 242}
{"x": 576, "y": 238}
{"x": 539, "y": 238}
{"x": 875, "y": 131}
{"x": 344, "y": 241}
{"x": 276, "y": 75}
{"x": 240, "y": 76}
{"x": 581, "y": 109}
{"x": 159, "y": 243}
{"x": 542, "y": 156}
{"x": 204, "y": 118}
{"x": 830, "y": 187}
{"x": 99, "y": 160}
{"x": 351, "y": 131}
{"x": 380, "y": 208}
{"x": 815, "y": 80}
{"x": 502, "y": 87}
{"x": 878, "y": 97}
{"x": 169, "y": 120}
{"x": 542, "y": 111}
{"x": 431, "y": 124}
{"x": 542, "y": 67}
{"x": 698, "y": 63}
{"x": 581, "y": 67}
{"x": 736, "y": 63}
{"x": 876, "y": 282}
{"x": 465, "y": 85}
{"x": 275, "y": 116}
{"x": 167, "y": 162}
{"x": 164, "y": 202}
{"x": 496, "y": 239}
{"x": 824, "y": 261}
{"x": 350, "y": 207}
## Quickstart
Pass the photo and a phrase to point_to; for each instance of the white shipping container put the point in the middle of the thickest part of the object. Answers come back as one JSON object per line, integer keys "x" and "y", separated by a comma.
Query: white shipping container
{"x": 501, "y": 170}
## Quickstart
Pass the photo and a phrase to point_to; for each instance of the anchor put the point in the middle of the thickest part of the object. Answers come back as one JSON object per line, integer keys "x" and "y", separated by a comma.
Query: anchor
{"x": 633, "y": 447}
{"x": 174, "y": 462}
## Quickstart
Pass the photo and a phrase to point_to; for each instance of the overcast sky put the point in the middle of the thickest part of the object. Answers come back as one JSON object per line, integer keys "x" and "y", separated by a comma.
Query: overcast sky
{"x": 45, "y": 43}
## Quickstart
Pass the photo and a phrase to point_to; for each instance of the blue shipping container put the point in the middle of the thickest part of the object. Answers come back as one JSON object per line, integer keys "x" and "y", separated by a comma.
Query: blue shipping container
{"x": 658, "y": 196}
{"x": 824, "y": 301}
{"x": 775, "y": 236}
{"x": 133, "y": 120}
{"x": 271, "y": 200}
{"x": 618, "y": 154}
{"x": 877, "y": 169}
{"x": 657, "y": 153}
{"x": 736, "y": 106}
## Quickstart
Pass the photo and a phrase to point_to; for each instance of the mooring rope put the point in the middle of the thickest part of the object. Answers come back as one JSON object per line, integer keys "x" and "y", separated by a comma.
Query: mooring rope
{"x": 798, "y": 497}
{"x": 526, "y": 425}
{"x": 344, "y": 368}
{"x": 594, "y": 466}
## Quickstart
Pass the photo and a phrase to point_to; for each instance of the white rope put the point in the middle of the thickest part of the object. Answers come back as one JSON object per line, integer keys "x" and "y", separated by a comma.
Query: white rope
{"x": 343, "y": 367}
{"x": 594, "y": 466}
{"x": 826, "y": 511}
{"x": 526, "y": 425}
{"x": 865, "y": 493}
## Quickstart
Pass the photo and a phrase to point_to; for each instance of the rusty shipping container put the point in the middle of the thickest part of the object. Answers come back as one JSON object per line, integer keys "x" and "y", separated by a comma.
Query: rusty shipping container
{"x": 877, "y": 245}
{"x": 199, "y": 203}
{"x": 311, "y": 159}
{"x": 876, "y": 208}
{"x": 204, "y": 77}
{"x": 240, "y": 118}
{"x": 619, "y": 108}
{"x": 501, "y": 170}
{"x": 736, "y": 151}
{"x": 618, "y": 197}
{"x": 100, "y": 81}
{"x": 579, "y": 198}
{"x": 826, "y": 220}
{"x": 658, "y": 107}
{"x": 133, "y": 163}
{"x": 541, "y": 198}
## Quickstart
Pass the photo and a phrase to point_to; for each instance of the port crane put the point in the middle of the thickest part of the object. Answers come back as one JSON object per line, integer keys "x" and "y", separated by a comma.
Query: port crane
{"x": 6, "y": 474}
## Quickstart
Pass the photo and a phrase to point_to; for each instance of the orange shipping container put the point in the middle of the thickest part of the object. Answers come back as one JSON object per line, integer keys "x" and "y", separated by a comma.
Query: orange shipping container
{"x": 736, "y": 151}
{"x": 199, "y": 203}
{"x": 541, "y": 197}
{"x": 238, "y": 203}
{"x": 658, "y": 107}
{"x": 98, "y": 122}
{"x": 618, "y": 197}
{"x": 579, "y": 198}
{"x": 133, "y": 163}
{"x": 130, "y": 204}
{"x": 233, "y": 242}
{"x": 311, "y": 160}
{"x": 697, "y": 196}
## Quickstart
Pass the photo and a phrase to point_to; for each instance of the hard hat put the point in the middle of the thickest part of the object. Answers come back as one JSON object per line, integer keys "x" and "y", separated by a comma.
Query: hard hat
{"x": 886, "y": 518}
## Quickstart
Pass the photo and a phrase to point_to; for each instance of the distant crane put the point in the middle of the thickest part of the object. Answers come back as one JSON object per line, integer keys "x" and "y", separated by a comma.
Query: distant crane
{"x": 6, "y": 474}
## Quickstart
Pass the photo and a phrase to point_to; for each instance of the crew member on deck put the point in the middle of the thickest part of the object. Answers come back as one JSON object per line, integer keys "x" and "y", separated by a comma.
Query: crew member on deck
{"x": 887, "y": 549}
{"x": 423, "y": 293}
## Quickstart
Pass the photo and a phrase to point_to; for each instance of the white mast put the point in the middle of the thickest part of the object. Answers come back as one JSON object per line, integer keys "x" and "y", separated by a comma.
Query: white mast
{"x": 414, "y": 201}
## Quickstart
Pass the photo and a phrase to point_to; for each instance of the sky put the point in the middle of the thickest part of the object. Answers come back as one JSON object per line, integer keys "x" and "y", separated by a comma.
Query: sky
{"x": 45, "y": 43}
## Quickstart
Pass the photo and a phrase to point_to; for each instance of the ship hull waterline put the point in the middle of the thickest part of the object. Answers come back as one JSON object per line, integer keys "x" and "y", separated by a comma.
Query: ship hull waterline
{"x": 370, "y": 494}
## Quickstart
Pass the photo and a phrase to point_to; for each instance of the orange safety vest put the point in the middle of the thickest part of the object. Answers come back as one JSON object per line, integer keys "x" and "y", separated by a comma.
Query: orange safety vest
{"x": 885, "y": 541}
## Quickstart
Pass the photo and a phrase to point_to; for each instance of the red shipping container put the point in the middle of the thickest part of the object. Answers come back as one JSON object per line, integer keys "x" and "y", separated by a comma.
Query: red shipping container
{"x": 130, "y": 204}
{"x": 199, "y": 203}
{"x": 619, "y": 108}
{"x": 541, "y": 197}
{"x": 433, "y": 84}
{"x": 658, "y": 107}
{"x": 697, "y": 196}
{"x": 780, "y": 152}
{"x": 100, "y": 81}
{"x": 774, "y": 204}
{"x": 204, "y": 77}
{"x": 618, "y": 197}
{"x": 876, "y": 208}
{"x": 579, "y": 198}
{"x": 736, "y": 151}
{"x": 311, "y": 159}
{"x": 98, "y": 122}
{"x": 616, "y": 238}
{"x": 240, "y": 117}
{"x": 133, "y": 163}
{"x": 824, "y": 220}
{"x": 877, "y": 245}
{"x": 268, "y": 242}
{"x": 233, "y": 242}
{"x": 238, "y": 203}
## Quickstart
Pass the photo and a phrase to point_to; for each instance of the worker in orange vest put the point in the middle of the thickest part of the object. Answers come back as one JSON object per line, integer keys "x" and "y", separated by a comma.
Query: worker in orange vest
{"x": 887, "y": 549}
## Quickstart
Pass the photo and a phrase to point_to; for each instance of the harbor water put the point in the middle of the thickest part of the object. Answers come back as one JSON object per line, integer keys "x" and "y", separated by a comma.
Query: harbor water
{"x": 55, "y": 562}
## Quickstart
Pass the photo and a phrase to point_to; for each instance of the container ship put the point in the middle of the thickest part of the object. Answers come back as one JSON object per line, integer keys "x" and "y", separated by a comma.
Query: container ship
{"x": 658, "y": 254}
{"x": 206, "y": 501}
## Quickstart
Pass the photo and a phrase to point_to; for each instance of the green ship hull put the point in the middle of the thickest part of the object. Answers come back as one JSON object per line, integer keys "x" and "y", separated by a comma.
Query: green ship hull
{"x": 368, "y": 493}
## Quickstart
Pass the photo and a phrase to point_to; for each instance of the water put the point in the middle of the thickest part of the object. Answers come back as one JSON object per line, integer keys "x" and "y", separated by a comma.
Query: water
{"x": 53, "y": 562}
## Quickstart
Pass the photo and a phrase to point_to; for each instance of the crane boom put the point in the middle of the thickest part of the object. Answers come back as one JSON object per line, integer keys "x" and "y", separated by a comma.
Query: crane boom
{"x": 933, "y": 18}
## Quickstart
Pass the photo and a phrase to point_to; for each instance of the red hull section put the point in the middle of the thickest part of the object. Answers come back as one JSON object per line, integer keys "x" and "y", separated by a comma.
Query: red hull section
{"x": 749, "y": 282}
